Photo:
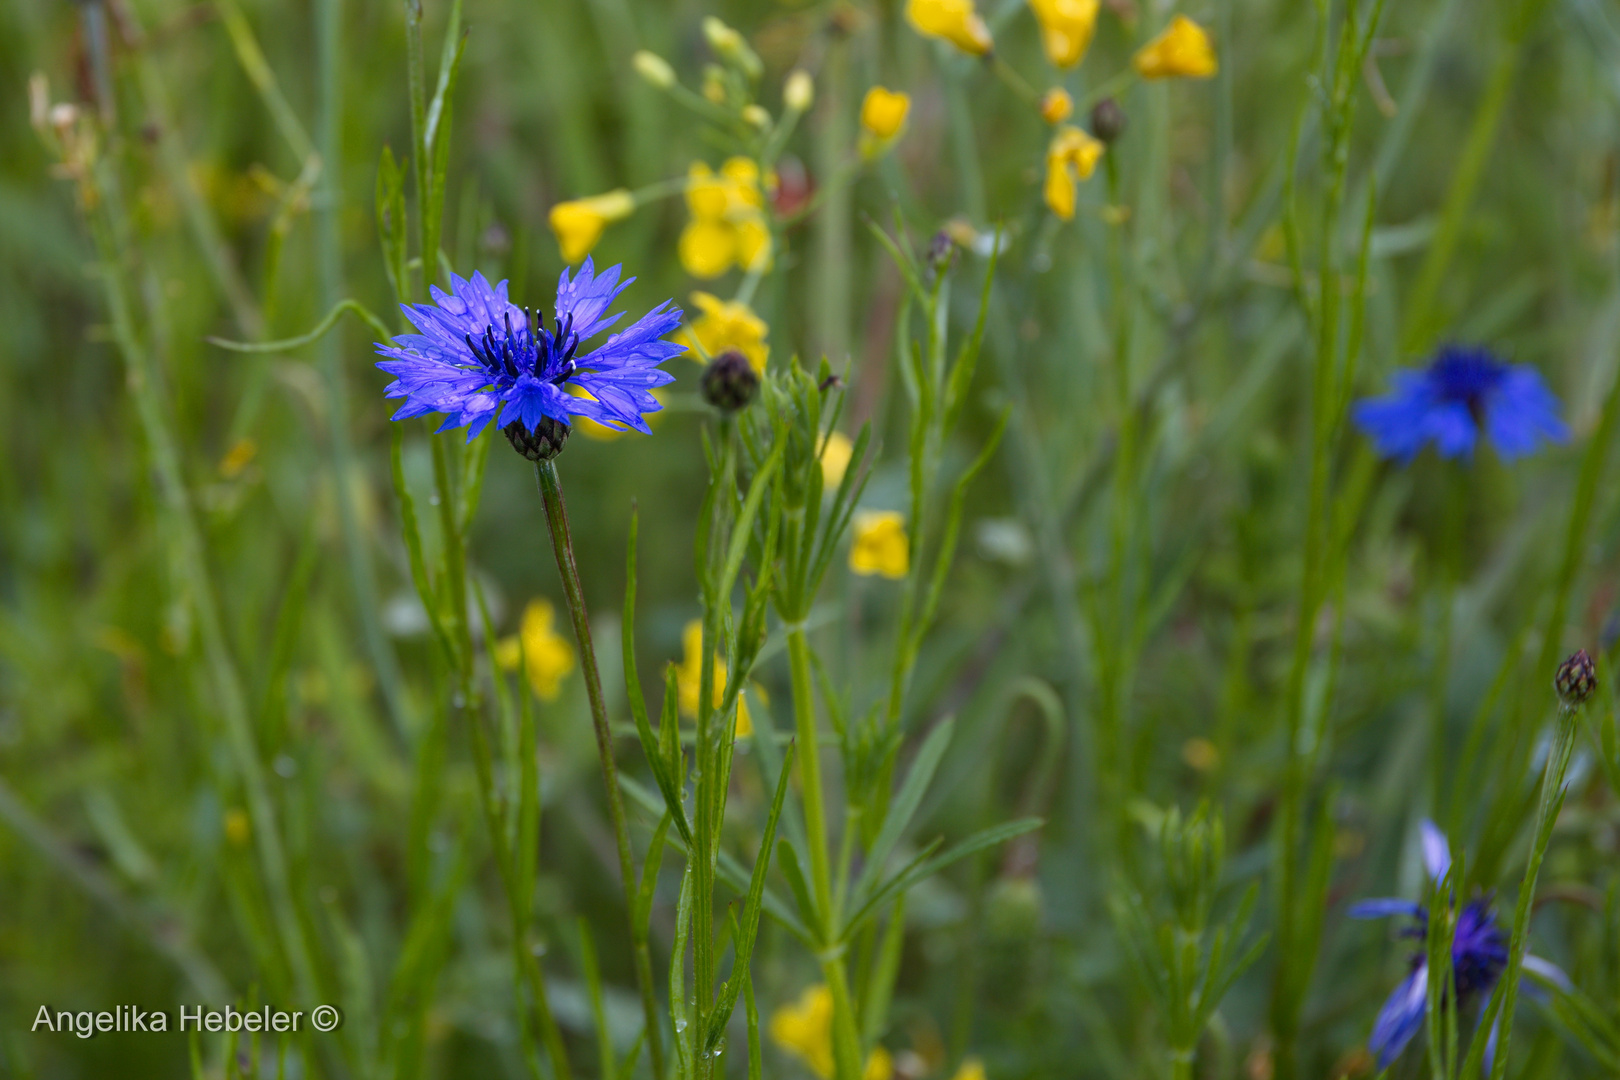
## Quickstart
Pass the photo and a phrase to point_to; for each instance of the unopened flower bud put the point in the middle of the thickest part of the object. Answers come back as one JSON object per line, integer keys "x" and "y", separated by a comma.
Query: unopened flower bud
{"x": 730, "y": 381}
{"x": 1056, "y": 105}
{"x": 756, "y": 116}
{"x": 543, "y": 443}
{"x": 1576, "y": 678}
{"x": 653, "y": 69}
{"x": 940, "y": 249}
{"x": 729, "y": 45}
{"x": 798, "y": 92}
{"x": 1107, "y": 120}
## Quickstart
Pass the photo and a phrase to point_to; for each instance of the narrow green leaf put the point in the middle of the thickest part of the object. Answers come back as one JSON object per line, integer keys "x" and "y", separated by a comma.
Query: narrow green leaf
{"x": 905, "y": 803}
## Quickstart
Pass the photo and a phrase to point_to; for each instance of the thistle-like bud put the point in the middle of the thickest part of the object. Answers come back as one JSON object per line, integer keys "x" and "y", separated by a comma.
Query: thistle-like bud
{"x": 730, "y": 382}
{"x": 1107, "y": 120}
{"x": 543, "y": 443}
{"x": 940, "y": 250}
{"x": 653, "y": 69}
{"x": 1576, "y": 678}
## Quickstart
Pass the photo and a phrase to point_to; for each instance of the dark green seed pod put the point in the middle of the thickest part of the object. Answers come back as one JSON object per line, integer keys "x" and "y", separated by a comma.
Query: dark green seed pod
{"x": 1576, "y": 678}
{"x": 730, "y": 381}
{"x": 542, "y": 444}
{"x": 1107, "y": 120}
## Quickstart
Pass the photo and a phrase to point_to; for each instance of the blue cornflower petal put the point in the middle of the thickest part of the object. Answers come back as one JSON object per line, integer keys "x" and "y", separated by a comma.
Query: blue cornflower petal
{"x": 1436, "y": 851}
{"x": 1383, "y": 909}
{"x": 479, "y": 359}
{"x": 1465, "y": 394}
{"x": 1401, "y": 1017}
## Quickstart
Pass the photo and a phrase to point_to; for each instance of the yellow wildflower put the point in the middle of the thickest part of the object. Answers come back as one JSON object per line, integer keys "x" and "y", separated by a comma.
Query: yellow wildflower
{"x": 804, "y": 1029}
{"x": 578, "y": 223}
{"x": 835, "y": 455}
{"x": 1066, "y": 28}
{"x": 238, "y": 829}
{"x": 953, "y": 20}
{"x": 689, "y": 679}
{"x": 545, "y": 654}
{"x": 726, "y": 324}
{"x": 883, "y": 111}
{"x": 970, "y": 1069}
{"x": 1183, "y": 49}
{"x": 1071, "y": 157}
{"x": 238, "y": 458}
{"x": 728, "y": 220}
{"x": 1056, "y": 105}
{"x": 880, "y": 544}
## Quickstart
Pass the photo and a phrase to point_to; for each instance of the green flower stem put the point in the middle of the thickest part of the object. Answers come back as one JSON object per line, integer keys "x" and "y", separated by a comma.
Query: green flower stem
{"x": 1552, "y": 800}
{"x": 557, "y": 520}
{"x": 846, "y": 1039}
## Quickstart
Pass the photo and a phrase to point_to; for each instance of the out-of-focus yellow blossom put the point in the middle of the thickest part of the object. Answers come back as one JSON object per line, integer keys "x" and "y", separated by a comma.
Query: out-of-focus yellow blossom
{"x": 728, "y": 220}
{"x": 238, "y": 829}
{"x": 714, "y": 84}
{"x": 970, "y": 1069}
{"x": 653, "y": 69}
{"x": 798, "y": 92}
{"x": 726, "y": 324}
{"x": 1183, "y": 50}
{"x": 1066, "y": 28}
{"x": 880, "y": 545}
{"x": 883, "y": 114}
{"x": 883, "y": 111}
{"x": 578, "y": 223}
{"x": 1056, "y": 105}
{"x": 545, "y": 654}
{"x": 689, "y": 679}
{"x": 835, "y": 455}
{"x": 1199, "y": 753}
{"x": 804, "y": 1029}
{"x": 1071, "y": 157}
{"x": 953, "y": 20}
{"x": 239, "y": 457}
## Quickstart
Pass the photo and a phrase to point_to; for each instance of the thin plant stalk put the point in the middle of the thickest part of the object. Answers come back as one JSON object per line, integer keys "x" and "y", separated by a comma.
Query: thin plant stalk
{"x": 551, "y": 493}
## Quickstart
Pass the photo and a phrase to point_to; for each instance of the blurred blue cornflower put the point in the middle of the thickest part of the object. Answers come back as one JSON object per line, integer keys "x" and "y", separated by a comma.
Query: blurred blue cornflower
{"x": 1479, "y": 955}
{"x": 480, "y": 358}
{"x": 1463, "y": 393}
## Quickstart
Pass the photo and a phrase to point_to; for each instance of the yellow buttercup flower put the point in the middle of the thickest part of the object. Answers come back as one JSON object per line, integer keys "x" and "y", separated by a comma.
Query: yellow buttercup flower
{"x": 880, "y": 545}
{"x": 804, "y": 1029}
{"x": 728, "y": 220}
{"x": 1066, "y": 28}
{"x": 578, "y": 223}
{"x": 835, "y": 455}
{"x": 1183, "y": 50}
{"x": 1071, "y": 157}
{"x": 953, "y": 20}
{"x": 970, "y": 1069}
{"x": 1056, "y": 105}
{"x": 689, "y": 679}
{"x": 544, "y": 654}
{"x": 726, "y": 324}
{"x": 883, "y": 111}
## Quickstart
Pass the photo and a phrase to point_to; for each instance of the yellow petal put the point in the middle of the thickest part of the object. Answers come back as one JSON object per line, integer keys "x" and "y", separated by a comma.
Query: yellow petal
{"x": 1056, "y": 105}
{"x": 835, "y": 455}
{"x": 708, "y": 247}
{"x": 1183, "y": 50}
{"x": 880, "y": 545}
{"x": 578, "y": 223}
{"x": 726, "y": 324}
{"x": 547, "y": 656}
{"x": 953, "y": 20}
{"x": 1066, "y": 28}
{"x": 883, "y": 111}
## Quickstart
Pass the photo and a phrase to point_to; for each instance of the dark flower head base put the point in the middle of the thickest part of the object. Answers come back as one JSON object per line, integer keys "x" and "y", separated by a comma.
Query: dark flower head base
{"x": 480, "y": 359}
{"x": 1464, "y": 395}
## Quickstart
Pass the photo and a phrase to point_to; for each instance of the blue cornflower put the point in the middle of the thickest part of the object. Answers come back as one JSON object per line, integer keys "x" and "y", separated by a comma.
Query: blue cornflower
{"x": 1464, "y": 392}
{"x": 1479, "y": 955}
{"x": 480, "y": 358}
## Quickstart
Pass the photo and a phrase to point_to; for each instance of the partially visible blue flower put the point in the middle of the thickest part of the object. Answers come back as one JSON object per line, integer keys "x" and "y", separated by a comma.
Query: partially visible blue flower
{"x": 480, "y": 358}
{"x": 1464, "y": 393}
{"x": 1479, "y": 954}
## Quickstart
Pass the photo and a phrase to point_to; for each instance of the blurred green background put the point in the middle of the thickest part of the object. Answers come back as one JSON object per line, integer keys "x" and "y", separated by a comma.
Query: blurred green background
{"x": 117, "y": 867}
